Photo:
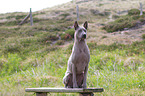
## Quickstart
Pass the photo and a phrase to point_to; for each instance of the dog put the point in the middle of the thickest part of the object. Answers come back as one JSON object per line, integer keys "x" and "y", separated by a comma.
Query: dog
{"x": 77, "y": 67}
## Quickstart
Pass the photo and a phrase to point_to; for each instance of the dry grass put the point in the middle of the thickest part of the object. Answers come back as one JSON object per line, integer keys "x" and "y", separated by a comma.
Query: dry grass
{"x": 40, "y": 66}
{"x": 95, "y": 21}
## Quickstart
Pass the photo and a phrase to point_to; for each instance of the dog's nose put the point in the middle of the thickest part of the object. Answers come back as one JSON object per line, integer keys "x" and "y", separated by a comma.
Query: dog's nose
{"x": 84, "y": 35}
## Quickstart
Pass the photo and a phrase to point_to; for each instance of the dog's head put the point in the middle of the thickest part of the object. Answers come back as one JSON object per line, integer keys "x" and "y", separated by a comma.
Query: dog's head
{"x": 80, "y": 32}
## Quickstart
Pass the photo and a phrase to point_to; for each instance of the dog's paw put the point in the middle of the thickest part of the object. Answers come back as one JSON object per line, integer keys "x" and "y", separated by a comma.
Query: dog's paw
{"x": 75, "y": 86}
{"x": 84, "y": 86}
{"x": 69, "y": 87}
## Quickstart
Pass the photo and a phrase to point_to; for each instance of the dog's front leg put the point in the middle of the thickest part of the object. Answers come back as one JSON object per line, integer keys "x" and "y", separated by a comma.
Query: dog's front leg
{"x": 85, "y": 77}
{"x": 75, "y": 85}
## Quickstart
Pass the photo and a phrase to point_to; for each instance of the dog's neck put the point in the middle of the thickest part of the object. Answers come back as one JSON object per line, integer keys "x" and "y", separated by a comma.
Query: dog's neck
{"x": 79, "y": 43}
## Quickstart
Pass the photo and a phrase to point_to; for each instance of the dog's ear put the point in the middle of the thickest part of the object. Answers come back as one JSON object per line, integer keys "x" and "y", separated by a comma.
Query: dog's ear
{"x": 86, "y": 25}
{"x": 76, "y": 26}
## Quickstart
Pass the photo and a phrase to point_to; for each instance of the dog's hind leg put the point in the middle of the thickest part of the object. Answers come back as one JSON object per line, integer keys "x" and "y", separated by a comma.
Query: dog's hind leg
{"x": 68, "y": 83}
{"x": 80, "y": 78}
{"x": 74, "y": 76}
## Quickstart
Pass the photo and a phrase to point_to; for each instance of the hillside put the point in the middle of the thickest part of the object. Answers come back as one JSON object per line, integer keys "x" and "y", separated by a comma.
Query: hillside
{"x": 36, "y": 56}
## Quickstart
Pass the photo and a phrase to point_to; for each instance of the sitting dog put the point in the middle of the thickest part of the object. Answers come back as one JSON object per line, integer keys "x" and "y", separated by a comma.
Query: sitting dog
{"x": 77, "y": 68}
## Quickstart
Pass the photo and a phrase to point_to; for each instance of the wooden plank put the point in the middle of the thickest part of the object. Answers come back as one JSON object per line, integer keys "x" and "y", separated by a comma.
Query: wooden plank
{"x": 64, "y": 90}
{"x": 23, "y": 21}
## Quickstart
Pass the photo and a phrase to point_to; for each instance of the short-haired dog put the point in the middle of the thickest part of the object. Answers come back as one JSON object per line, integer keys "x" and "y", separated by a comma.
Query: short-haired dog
{"x": 77, "y": 67}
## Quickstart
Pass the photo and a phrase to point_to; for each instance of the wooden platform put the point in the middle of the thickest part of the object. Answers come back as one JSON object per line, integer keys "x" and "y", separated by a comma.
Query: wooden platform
{"x": 83, "y": 92}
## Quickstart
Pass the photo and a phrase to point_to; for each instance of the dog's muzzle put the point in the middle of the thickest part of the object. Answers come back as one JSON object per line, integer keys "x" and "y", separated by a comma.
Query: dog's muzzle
{"x": 84, "y": 36}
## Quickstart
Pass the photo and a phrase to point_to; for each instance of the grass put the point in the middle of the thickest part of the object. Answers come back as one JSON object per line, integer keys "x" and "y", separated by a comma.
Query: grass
{"x": 33, "y": 56}
{"x": 111, "y": 68}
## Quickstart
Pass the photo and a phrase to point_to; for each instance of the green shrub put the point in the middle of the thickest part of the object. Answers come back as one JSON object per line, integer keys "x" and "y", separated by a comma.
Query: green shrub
{"x": 68, "y": 35}
{"x": 104, "y": 37}
{"x": 134, "y": 12}
{"x": 12, "y": 23}
{"x": 133, "y": 19}
{"x": 11, "y": 16}
{"x": 20, "y": 17}
{"x": 94, "y": 12}
{"x": 65, "y": 14}
{"x": 60, "y": 42}
{"x": 53, "y": 37}
{"x": 143, "y": 36}
{"x": 46, "y": 38}
{"x": 123, "y": 22}
{"x": 54, "y": 29}
{"x": 70, "y": 32}
{"x": 115, "y": 16}
{"x": 36, "y": 20}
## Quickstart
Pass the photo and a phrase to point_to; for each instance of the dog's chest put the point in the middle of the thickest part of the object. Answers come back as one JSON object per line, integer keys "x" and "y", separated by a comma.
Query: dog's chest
{"x": 81, "y": 60}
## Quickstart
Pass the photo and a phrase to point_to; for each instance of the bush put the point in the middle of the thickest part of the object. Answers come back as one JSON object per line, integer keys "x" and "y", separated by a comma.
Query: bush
{"x": 12, "y": 23}
{"x": 133, "y": 19}
{"x": 104, "y": 37}
{"x": 124, "y": 22}
{"x": 46, "y": 38}
{"x": 36, "y": 20}
{"x": 133, "y": 12}
{"x": 60, "y": 42}
{"x": 69, "y": 34}
{"x": 20, "y": 17}
{"x": 9, "y": 17}
{"x": 143, "y": 36}
{"x": 94, "y": 12}
{"x": 54, "y": 29}
{"x": 115, "y": 16}
{"x": 65, "y": 14}
{"x": 53, "y": 37}
{"x": 104, "y": 13}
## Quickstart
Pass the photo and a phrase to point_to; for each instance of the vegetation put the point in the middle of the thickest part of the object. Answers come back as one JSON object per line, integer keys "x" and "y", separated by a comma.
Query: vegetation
{"x": 33, "y": 56}
{"x": 110, "y": 65}
{"x": 60, "y": 42}
{"x": 133, "y": 19}
{"x": 68, "y": 34}
{"x": 133, "y": 12}
{"x": 143, "y": 36}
